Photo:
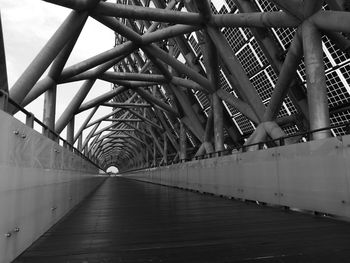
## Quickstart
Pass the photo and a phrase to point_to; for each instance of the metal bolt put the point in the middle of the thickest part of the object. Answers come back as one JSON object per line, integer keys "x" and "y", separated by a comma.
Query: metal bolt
{"x": 16, "y": 229}
{"x": 16, "y": 132}
{"x": 7, "y": 234}
{"x": 23, "y": 136}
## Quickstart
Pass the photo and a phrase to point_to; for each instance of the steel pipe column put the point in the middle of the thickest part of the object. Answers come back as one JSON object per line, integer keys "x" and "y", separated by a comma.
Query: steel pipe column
{"x": 49, "y": 113}
{"x": 70, "y": 131}
{"x": 183, "y": 142}
{"x": 316, "y": 80}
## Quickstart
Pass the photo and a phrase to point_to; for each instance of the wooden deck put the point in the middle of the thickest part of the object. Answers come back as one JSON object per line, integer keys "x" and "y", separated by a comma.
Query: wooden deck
{"x": 131, "y": 221}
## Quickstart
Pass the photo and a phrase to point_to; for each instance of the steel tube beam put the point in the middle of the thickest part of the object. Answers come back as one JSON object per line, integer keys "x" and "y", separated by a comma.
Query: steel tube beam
{"x": 126, "y": 105}
{"x": 145, "y": 119}
{"x": 178, "y": 66}
{"x": 104, "y": 129}
{"x": 272, "y": 51}
{"x": 259, "y": 19}
{"x": 187, "y": 83}
{"x": 292, "y": 7}
{"x": 112, "y": 76}
{"x": 238, "y": 104}
{"x": 148, "y": 97}
{"x": 123, "y": 120}
{"x": 229, "y": 59}
{"x": 79, "y": 5}
{"x": 87, "y": 139}
{"x": 331, "y": 21}
{"x": 286, "y": 76}
{"x": 144, "y": 13}
{"x": 94, "y": 73}
{"x": 134, "y": 76}
{"x": 101, "y": 99}
{"x": 160, "y": 115}
{"x": 167, "y": 32}
{"x": 103, "y": 118}
{"x": 156, "y": 141}
{"x": 336, "y": 5}
{"x": 191, "y": 120}
{"x": 120, "y": 50}
{"x": 138, "y": 130}
{"x": 120, "y": 28}
{"x": 83, "y": 126}
{"x": 134, "y": 84}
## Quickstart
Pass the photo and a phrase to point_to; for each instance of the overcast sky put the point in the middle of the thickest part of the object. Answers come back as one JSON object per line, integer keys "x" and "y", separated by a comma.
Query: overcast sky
{"x": 28, "y": 24}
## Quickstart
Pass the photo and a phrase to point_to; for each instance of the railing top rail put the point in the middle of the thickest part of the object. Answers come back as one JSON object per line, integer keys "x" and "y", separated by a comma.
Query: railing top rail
{"x": 56, "y": 135}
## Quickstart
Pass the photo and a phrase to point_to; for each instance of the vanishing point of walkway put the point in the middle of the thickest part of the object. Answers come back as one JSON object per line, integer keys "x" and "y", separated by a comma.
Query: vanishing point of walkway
{"x": 131, "y": 221}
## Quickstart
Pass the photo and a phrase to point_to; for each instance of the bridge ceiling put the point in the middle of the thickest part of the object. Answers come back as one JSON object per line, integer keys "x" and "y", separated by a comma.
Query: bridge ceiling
{"x": 189, "y": 79}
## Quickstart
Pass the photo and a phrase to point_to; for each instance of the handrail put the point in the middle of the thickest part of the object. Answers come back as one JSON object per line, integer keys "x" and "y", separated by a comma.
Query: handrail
{"x": 281, "y": 141}
{"x": 57, "y": 137}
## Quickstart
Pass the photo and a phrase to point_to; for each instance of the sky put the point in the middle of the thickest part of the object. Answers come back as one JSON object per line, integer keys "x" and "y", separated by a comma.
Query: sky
{"x": 27, "y": 26}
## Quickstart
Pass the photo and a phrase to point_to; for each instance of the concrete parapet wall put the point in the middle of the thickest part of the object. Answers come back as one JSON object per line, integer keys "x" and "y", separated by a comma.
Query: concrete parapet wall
{"x": 312, "y": 176}
{"x": 40, "y": 182}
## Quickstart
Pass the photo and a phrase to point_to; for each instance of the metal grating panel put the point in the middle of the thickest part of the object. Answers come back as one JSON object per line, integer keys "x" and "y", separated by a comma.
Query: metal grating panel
{"x": 244, "y": 124}
{"x": 248, "y": 60}
{"x": 263, "y": 85}
{"x": 339, "y": 118}
{"x": 337, "y": 93}
{"x": 235, "y": 37}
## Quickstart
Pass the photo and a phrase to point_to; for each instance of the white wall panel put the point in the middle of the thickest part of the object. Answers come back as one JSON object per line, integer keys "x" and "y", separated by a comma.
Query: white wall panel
{"x": 193, "y": 176}
{"x": 311, "y": 176}
{"x": 226, "y": 175}
{"x": 39, "y": 183}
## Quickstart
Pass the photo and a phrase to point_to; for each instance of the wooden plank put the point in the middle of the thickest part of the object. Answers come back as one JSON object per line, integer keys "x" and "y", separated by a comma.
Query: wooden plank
{"x": 131, "y": 221}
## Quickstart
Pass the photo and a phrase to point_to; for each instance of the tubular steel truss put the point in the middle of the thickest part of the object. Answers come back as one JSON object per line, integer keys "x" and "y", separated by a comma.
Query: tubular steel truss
{"x": 192, "y": 80}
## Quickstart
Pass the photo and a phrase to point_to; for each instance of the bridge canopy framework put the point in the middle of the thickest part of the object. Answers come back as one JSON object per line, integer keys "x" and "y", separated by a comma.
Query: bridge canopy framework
{"x": 191, "y": 80}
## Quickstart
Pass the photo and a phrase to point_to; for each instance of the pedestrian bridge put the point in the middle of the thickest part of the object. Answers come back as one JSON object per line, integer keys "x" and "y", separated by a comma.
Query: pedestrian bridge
{"x": 282, "y": 204}
{"x": 228, "y": 120}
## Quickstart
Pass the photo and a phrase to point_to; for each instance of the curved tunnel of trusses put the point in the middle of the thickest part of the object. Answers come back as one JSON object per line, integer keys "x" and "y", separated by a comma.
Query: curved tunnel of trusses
{"x": 189, "y": 79}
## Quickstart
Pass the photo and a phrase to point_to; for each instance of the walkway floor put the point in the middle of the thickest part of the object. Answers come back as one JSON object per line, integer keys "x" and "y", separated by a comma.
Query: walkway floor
{"x": 130, "y": 221}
